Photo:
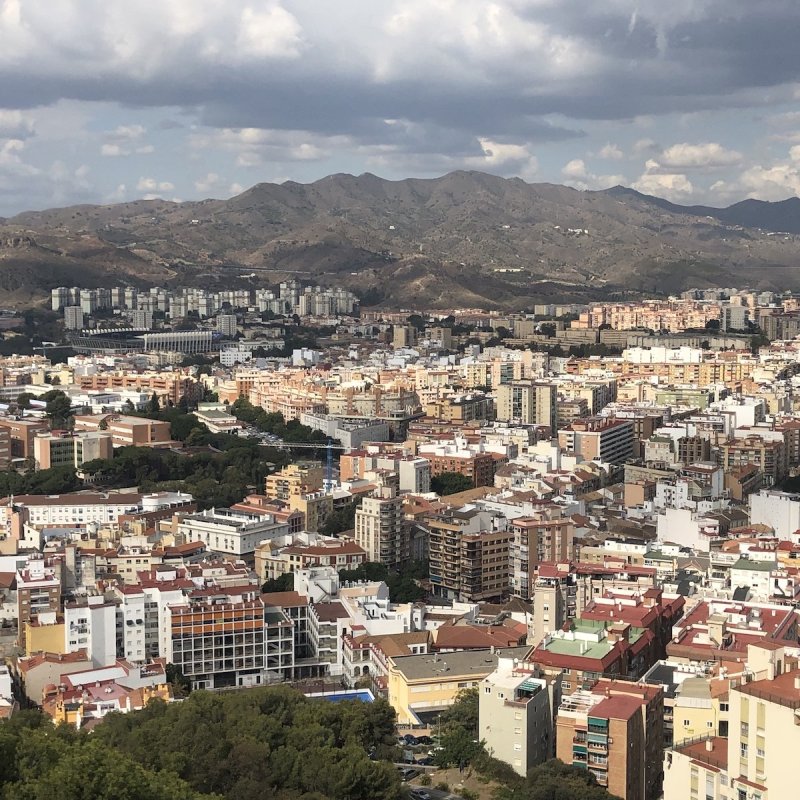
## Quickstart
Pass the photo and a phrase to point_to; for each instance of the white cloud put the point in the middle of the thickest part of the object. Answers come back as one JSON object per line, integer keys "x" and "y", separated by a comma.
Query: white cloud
{"x": 670, "y": 185}
{"x": 611, "y": 152}
{"x": 125, "y": 140}
{"x": 575, "y": 169}
{"x": 706, "y": 155}
{"x": 15, "y": 125}
{"x": 500, "y": 156}
{"x": 577, "y": 175}
{"x": 151, "y": 185}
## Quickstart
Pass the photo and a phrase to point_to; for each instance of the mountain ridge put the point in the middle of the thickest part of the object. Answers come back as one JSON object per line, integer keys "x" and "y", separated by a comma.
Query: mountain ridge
{"x": 467, "y": 237}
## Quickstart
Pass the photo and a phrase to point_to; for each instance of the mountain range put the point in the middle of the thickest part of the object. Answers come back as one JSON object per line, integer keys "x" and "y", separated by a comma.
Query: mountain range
{"x": 465, "y": 239}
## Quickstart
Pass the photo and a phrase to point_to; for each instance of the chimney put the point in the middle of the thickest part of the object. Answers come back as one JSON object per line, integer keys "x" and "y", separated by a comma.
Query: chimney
{"x": 709, "y": 745}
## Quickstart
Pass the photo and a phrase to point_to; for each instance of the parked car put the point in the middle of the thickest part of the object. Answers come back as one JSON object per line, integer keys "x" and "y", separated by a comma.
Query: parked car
{"x": 409, "y": 739}
{"x": 424, "y": 740}
{"x": 425, "y": 762}
{"x": 406, "y": 773}
{"x": 420, "y": 794}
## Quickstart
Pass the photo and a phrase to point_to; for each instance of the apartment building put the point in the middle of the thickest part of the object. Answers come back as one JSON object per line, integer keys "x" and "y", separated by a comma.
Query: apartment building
{"x": 414, "y": 472}
{"x": 599, "y": 439}
{"x": 38, "y": 591}
{"x": 230, "y": 533}
{"x": 127, "y": 431}
{"x": 169, "y": 387}
{"x": 276, "y": 557}
{"x": 224, "y": 640}
{"x": 527, "y": 403}
{"x": 478, "y": 467}
{"x": 469, "y": 554}
{"x": 380, "y": 527}
{"x": 295, "y": 479}
{"x": 756, "y": 760}
{"x": 547, "y": 536}
{"x": 516, "y": 715}
{"x": 91, "y": 625}
{"x": 562, "y": 590}
{"x": 614, "y": 730}
{"x": 768, "y": 456}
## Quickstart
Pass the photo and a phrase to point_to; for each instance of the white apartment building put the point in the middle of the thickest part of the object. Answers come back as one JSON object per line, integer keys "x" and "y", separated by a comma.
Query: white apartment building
{"x": 75, "y": 509}
{"x": 230, "y": 532}
{"x": 92, "y": 625}
{"x": 515, "y": 716}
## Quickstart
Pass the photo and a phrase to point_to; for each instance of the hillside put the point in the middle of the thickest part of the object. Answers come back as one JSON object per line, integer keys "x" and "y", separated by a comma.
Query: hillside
{"x": 465, "y": 239}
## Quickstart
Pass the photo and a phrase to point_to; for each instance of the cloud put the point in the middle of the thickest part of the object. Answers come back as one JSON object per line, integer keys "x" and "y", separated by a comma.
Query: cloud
{"x": 577, "y": 175}
{"x": 152, "y": 185}
{"x": 670, "y": 185}
{"x": 125, "y": 140}
{"x": 707, "y": 155}
{"x": 775, "y": 181}
{"x": 15, "y": 125}
{"x": 611, "y": 152}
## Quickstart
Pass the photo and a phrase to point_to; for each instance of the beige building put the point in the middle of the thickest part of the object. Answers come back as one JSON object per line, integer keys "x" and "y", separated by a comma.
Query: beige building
{"x": 294, "y": 479}
{"x": 66, "y": 450}
{"x": 756, "y": 761}
{"x": 516, "y": 715}
{"x": 379, "y": 526}
{"x": 420, "y": 687}
{"x": 127, "y": 431}
{"x": 527, "y": 403}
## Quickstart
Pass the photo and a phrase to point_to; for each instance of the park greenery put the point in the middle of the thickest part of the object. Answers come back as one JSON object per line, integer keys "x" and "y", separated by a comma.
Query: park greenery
{"x": 248, "y": 745}
{"x": 215, "y": 477}
{"x": 402, "y": 583}
{"x": 450, "y": 483}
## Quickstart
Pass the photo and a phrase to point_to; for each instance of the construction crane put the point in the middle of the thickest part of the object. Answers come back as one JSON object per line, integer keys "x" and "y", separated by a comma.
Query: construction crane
{"x": 329, "y": 447}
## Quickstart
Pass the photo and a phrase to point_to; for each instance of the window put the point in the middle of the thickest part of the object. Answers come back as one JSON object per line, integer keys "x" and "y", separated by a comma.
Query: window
{"x": 686, "y": 723}
{"x": 743, "y": 750}
{"x": 745, "y": 729}
{"x": 517, "y": 748}
{"x": 487, "y": 689}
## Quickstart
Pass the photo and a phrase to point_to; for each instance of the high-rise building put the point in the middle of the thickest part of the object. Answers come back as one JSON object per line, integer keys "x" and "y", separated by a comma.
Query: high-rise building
{"x": 88, "y": 301}
{"x": 516, "y": 715}
{"x": 615, "y": 730}
{"x": 226, "y": 325}
{"x": 379, "y": 527}
{"x": 73, "y": 318}
{"x": 527, "y": 403}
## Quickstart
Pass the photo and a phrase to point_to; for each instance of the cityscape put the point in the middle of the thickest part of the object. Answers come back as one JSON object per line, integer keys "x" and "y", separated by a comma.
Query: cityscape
{"x": 581, "y": 520}
{"x": 399, "y": 401}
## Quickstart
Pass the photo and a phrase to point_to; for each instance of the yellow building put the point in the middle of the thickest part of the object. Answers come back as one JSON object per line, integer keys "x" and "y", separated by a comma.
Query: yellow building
{"x": 422, "y": 686}
{"x": 756, "y": 761}
{"x": 316, "y": 506}
{"x": 45, "y": 634}
{"x": 294, "y": 479}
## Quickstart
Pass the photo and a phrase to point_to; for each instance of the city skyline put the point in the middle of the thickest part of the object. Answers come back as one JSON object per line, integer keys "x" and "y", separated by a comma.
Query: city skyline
{"x": 112, "y": 103}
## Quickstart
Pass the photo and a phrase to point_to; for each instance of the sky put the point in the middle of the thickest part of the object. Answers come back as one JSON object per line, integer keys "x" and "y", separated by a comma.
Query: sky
{"x": 106, "y": 101}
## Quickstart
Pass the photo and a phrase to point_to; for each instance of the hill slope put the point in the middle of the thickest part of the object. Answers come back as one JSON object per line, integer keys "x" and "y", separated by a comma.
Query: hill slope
{"x": 466, "y": 238}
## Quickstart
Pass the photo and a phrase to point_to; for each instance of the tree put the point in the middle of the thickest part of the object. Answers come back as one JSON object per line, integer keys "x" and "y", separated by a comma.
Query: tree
{"x": 24, "y": 400}
{"x": 555, "y": 779}
{"x": 57, "y": 407}
{"x": 450, "y": 483}
{"x": 713, "y": 325}
{"x": 153, "y": 406}
{"x": 283, "y": 583}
